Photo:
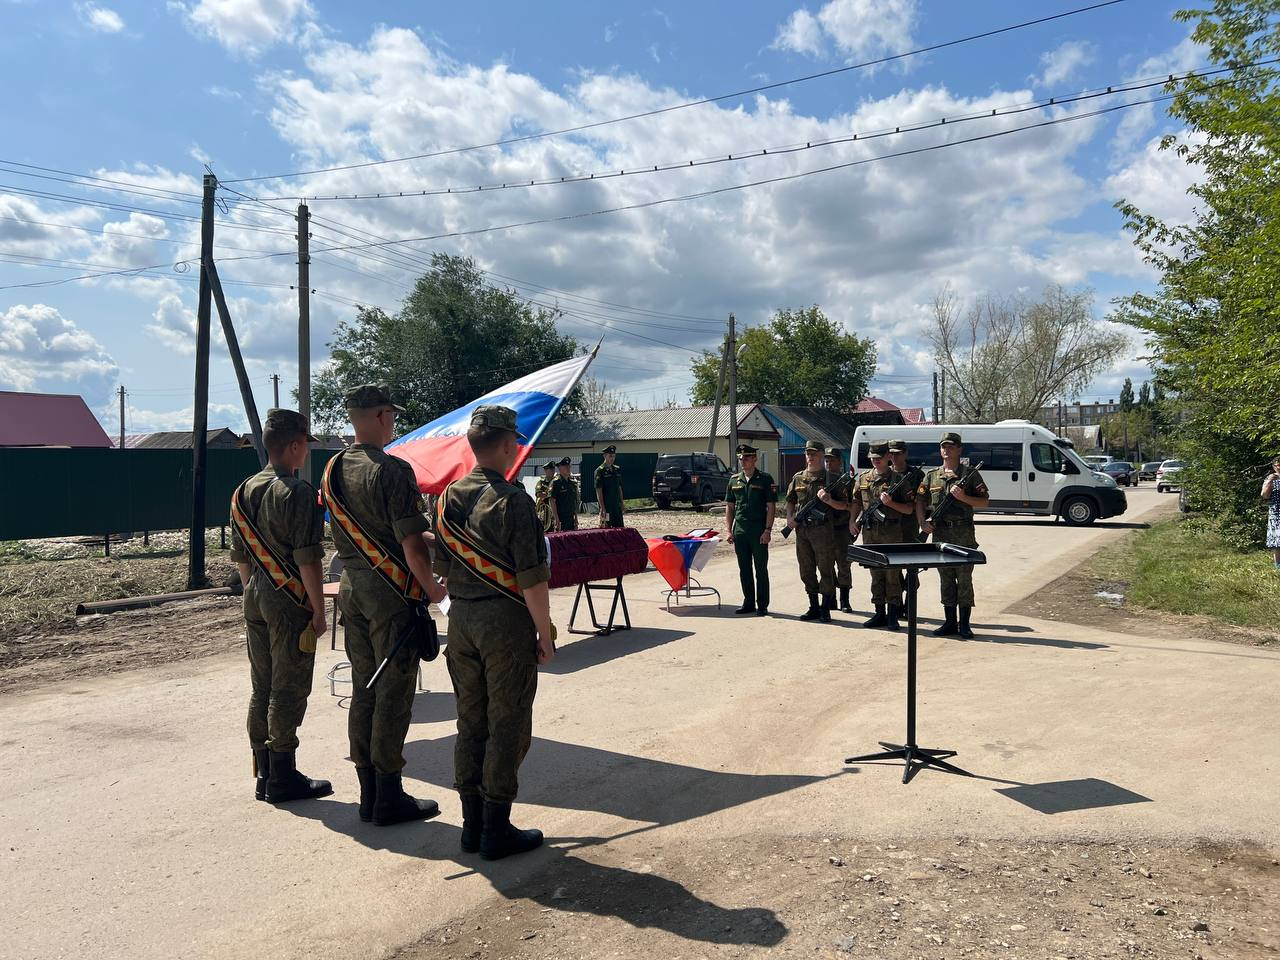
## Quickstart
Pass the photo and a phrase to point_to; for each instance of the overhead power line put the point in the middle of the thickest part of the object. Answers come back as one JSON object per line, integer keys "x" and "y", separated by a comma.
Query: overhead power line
{"x": 690, "y": 103}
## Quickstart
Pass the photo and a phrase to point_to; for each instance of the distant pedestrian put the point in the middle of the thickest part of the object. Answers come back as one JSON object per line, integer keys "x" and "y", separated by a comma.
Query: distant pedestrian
{"x": 1271, "y": 493}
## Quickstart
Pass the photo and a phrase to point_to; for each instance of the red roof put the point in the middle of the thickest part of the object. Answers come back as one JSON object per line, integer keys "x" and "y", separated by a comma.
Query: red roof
{"x": 874, "y": 405}
{"x": 913, "y": 415}
{"x": 48, "y": 420}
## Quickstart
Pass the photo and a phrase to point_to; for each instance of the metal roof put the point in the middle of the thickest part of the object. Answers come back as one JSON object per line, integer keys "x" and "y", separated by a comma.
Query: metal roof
{"x": 219, "y": 438}
{"x": 828, "y": 427}
{"x": 670, "y": 423}
{"x": 48, "y": 420}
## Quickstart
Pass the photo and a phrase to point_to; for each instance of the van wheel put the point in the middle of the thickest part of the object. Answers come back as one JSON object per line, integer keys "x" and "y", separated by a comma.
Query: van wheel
{"x": 1079, "y": 511}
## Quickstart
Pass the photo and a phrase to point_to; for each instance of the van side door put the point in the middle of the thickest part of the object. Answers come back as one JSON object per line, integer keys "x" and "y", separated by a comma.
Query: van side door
{"x": 1049, "y": 470}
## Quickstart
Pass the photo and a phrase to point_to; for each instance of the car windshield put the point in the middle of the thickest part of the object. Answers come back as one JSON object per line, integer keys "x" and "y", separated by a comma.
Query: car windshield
{"x": 1172, "y": 463}
{"x": 1115, "y": 467}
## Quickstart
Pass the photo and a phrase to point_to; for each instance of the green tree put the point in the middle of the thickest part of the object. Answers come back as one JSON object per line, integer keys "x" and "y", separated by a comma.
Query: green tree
{"x": 1144, "y": 395}
{"x": 1126, "y": 396}
{"x": 454, "y": 339}
{"x": 1213, "y": 322}
{"x": 799, "y": 358}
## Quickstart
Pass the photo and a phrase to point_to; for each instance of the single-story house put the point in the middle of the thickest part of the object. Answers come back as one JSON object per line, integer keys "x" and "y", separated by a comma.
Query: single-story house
{"x": 877, "y": 411}
{"x": 220, "y": 438}
{"x": 48, "y": 420}
{"x": 798, "y": 425}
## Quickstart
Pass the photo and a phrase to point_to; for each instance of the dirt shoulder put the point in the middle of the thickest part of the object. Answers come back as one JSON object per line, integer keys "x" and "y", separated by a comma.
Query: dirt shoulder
{"x": 831, "y": 897}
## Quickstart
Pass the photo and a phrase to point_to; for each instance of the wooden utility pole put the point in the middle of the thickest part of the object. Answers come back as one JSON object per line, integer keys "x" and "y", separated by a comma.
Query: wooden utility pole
{"x": 943, "y": 395}
{"x": 237, "y": 361}
{"x": 200, "y": 411}
{"x": 275, "y": 389}
{"x": 304, "y": 323}
{"x": 715, "y": 414}
{"x": 121, "y": 392}
{"x": 935, "y": 396}
{"x": 733, "y": 388}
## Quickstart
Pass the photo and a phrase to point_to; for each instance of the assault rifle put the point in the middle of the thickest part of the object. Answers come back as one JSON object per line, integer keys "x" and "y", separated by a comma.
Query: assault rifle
{"x": 815, "y": 511}
{"x": 907, "y": 481}
{"x": 945, "y": 503}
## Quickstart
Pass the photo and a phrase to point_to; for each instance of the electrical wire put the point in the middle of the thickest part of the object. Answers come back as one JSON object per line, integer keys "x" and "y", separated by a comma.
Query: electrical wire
{"x": 691, "y": 103}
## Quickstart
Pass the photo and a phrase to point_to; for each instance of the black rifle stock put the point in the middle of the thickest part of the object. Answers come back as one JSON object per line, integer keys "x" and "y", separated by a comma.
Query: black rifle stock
{"x": 815, "y": 509}
{"x": 950, "y": 498}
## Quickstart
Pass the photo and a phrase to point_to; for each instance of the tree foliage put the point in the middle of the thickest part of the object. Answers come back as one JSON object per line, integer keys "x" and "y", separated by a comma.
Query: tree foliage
{"x": 1008, "y": 356}
{"x": 1213, "y": 322}
{"x": 799, "y": 358}
{"x": 453, "y": 339}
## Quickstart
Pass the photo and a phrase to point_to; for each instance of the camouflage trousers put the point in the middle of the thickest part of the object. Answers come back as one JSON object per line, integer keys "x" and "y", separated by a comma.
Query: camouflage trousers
{"x": 815, "y": 552}
{"x": 493, "y": 663}
{"x": 374, "y": 616}
{"x": 840, "y": 540}
{"x": 280, "y": 673}
{"x": 957, "y": 582}
{"x": 887, "y": 584}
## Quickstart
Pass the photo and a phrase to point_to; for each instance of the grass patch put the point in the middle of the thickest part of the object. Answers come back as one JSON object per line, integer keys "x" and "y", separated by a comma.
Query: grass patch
{"x": 1179, "y": 567}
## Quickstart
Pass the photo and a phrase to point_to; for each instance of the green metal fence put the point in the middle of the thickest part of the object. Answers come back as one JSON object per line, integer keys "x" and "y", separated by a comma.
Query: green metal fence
{"x": 637, "y": 474}
{"x": 46, "y": 492}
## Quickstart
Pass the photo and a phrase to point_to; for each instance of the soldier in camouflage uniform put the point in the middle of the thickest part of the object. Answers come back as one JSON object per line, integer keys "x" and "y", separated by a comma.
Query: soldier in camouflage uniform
{"x": 495, "y": 641}
{"x": 751, "y": 500}
{"x": 955, "y": 526}
{"x": 381, "y": 492}
{"x": 608, "y": 481}
{"x": 814, "y": 546}
{"x": 870, "y": 490}
{"x": 542, "y": 497}
{"x": 833, "y": 460}
{"x": 898, "y": 459}
{"x": 281, "y": 635}
{"x": 564, "y": 497}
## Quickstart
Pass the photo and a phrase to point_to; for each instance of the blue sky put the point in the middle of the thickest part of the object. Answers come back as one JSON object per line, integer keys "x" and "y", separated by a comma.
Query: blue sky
{"x": 148, "y": 92}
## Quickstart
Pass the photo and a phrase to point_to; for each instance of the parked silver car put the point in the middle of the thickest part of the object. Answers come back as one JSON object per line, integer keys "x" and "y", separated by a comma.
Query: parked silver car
{"x": 1167, "y": 475}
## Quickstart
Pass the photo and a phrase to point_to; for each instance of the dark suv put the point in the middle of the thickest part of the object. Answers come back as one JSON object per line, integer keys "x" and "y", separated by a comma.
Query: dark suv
{"x": 696, "y": 478}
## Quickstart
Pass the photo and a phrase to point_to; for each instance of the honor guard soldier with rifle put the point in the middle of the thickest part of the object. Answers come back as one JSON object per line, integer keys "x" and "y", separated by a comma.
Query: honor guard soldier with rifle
{"x": 276, "y": 541}
{"x": 608, "y": 480}
{"x": 378, "y": 527}
{"x": 875, "y": 516}
{"x": 841, "y": 537}
{"x": 490, "y": 548}
{"x": 542, "y": 497}
{"x": 946, "y": 500}
{"x": 906, "y": 497}
{"x": 564, "y": 497}
{"x": 814, "y": 544}
{"x": 750, "y": 503}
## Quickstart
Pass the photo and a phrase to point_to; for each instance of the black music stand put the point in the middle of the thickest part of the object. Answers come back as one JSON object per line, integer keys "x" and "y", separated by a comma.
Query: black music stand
{"x": 913, "y": 557}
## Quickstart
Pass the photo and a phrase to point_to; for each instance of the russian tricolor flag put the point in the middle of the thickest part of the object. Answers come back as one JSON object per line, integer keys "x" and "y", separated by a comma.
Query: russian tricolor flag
{"x": 438, "y": 451}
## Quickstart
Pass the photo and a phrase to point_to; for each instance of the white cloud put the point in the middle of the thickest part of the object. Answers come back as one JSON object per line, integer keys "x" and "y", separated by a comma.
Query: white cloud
{"x": 40, "y": 349}
{"x": 174, "y": 324}
{"x": 101, "y": 19}
{"x": 1138, "y": 121}
{"x": 249, "y": 27}
{"x": 1063, "y": 62}
{"x": 158, "y": 421}
{"x": 1156, "y": 181}
{"x": 859, "y": 29}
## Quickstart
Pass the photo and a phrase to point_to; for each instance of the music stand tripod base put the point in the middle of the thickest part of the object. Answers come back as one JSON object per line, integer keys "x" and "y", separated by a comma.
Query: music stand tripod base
{"x": 913, "y": 557}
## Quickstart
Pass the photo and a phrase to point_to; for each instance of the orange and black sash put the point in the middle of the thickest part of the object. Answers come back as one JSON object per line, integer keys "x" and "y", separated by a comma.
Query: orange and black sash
{"x": 392, "y": 570}
{"x": 282, "y": 571}
{"x": 466, "y": 550}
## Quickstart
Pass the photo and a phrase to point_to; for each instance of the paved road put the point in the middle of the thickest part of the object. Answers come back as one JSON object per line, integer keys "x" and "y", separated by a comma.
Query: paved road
{"x": 128, "y": 829}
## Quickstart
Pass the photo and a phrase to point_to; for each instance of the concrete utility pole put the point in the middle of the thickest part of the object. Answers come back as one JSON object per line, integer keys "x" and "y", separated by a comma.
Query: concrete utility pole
{"x": 275, "y": 389}
{"x": 715, "y": 414}
{"x": 943, "y": 395}
{"x": 304, "y": 323}
{"x": 200, "y": 414}
{"x": 733, "y": 388}
{"x": 935, "y": 396}
{"x": 121, "y": 392}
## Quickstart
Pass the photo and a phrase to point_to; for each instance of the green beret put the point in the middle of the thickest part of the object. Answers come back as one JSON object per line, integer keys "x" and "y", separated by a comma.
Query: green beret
{"x": 879, "y": 448}
{"x": 815, "y": 446}
{"x": 369, "y": 395}
{"x": 495, "y": 417}
{"x": 897, "y": 446}
{"x": 285, "y": 423}
{"x": 950, "y": 437}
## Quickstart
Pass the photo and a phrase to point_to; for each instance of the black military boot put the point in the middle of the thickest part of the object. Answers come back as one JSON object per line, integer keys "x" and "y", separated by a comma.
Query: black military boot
{"x": 828, "y": 604}
{"x": 948, "y": 628}
{"x": 962, "y": 628}
{"x": 844, "y": 601}
{"x": 498, "y": 838}
{"x": 813, "y": 612}
{"x": 892, "y": 612}
{"x": 261, "y": 771}
{"x": 878, "y": 619}
{"x": 762, "y": 611}
{"x": 746, "y": 607}
{"x": 368, "y": 778}
{"x": 393, "y": 805}
{"x": 285, "y": 782}
{"x": 472, "y": 822}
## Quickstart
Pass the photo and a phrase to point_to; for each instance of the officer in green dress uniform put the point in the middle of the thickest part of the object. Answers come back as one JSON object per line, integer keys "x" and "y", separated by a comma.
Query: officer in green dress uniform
{"x": 495, "y": 641}
{"x": 833, "y": 460}
{"x": 281, "y": 635}
{"x": 750, "y": 503}
{"x": 870, "y": 489}
{"x": 815, "y": 553}
{"x": 542, "y": 497}
{"x": 381, "y": 494}
{"x": 564, "y": 497}
{"x": 608, "y": 481}
{"x": 955, "y": 526}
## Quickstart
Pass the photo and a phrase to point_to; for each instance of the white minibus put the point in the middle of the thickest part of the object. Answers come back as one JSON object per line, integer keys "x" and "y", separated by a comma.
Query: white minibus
{"x": 1027, "y": 468}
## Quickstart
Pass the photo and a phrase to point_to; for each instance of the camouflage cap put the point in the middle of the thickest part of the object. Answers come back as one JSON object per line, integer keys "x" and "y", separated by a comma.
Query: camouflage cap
{"x": 835, "y": 452}
{"x": 950, "y": 437}
{"x": 745, "y": 448}
{"x": 286, "y": 423}
{"x": 497, "y": 417}
{"x": 880, "y": 448}
{"x": 611, "y": 448}
{"x": 564, "y": 462}
{"x": 815, "y": 446}
{"x": 897, "y": 446}
{"x": 369, "y": 395}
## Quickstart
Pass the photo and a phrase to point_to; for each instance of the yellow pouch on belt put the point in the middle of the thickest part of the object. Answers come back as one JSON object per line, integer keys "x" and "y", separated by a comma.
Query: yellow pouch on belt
{"x": 307, "y": 642}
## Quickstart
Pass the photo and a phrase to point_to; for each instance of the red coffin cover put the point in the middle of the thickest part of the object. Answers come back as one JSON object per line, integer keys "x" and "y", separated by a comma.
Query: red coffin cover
{"x": 601, "y": 553}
